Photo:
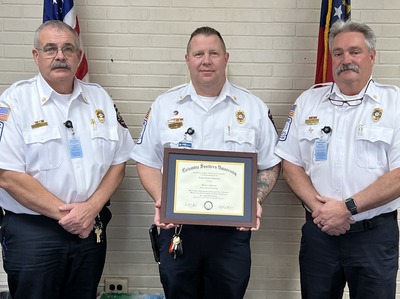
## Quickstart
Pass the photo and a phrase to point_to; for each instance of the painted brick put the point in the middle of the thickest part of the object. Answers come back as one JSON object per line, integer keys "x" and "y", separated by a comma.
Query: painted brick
{"x": 135, "y": 50}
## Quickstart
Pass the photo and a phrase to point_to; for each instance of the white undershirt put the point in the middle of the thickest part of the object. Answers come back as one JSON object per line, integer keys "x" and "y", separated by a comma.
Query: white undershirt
{"x": 62, "y": 102}
{"x": 208, "y": 101}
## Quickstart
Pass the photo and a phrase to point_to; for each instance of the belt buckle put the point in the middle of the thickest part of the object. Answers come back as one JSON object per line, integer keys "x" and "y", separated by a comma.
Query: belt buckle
{"x": 367, "y": 224}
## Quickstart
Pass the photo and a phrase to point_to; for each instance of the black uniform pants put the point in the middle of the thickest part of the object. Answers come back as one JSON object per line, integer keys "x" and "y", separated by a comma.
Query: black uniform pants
{"x": 215, "y": 263}
{"x": 365, "y": 258}
{"x": 43, "y": 261}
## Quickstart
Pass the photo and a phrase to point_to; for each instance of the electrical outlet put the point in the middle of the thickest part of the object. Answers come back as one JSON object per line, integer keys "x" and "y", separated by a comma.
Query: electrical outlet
{"x": 115, "y": 285}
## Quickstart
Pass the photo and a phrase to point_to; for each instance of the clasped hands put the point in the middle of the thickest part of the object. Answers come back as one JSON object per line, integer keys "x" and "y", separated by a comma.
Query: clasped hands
{"x": 332, "y": 216}
{"x": 79, "y": 219}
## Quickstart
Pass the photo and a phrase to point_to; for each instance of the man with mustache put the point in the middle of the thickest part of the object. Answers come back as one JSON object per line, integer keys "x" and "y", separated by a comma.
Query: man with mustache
{"x": 208, "y": 113}
{"x": 63, "y": 154}
{"x": 341, "y": 157}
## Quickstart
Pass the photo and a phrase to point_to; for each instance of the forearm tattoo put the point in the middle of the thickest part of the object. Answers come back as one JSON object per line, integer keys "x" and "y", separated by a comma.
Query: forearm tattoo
{"x": 266, "y": 181}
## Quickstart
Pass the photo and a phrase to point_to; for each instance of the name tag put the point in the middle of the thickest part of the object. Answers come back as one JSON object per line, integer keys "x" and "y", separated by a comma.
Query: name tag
{"x": 75, "y": 147}
{"x": 185, "y": 144}
{"x": 320, "y": 150}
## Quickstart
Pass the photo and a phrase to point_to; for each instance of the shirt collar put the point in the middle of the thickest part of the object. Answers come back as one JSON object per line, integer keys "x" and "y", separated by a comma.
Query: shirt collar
{"x": 227, "y": 93}
{"x": 371, "y": 92}
{"x": 45, "y": 90}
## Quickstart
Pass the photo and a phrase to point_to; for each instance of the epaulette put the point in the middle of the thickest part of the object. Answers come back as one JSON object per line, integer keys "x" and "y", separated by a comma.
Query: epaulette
{"x": 89, "y": 83}
{"x": 241, "y": 88}
{"x": 23, "y": 82}
{"x": 319, "y": 85}
{"x": 176, "y": 88}
{"x": 394, "y": 87}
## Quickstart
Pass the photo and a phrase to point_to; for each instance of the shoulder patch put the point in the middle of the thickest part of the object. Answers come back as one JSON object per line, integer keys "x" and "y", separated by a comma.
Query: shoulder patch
{"x": 4, "y": 113}
{"x": 145, "y": 121}
{"x": 286, "y": 129}
{"x": 119, "y": 118}
{"x": 147, "y": 116}
{"x": 292, "y": 110}
{"x": 1, "y": 129}
{"x": 272, "y": 119}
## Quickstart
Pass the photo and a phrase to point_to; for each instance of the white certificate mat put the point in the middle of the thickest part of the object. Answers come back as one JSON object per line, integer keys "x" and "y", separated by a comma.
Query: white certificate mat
{"x": 209, "y": 188}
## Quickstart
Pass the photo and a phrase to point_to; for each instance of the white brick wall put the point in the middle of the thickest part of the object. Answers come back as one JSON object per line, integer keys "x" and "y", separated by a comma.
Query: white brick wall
{"x": 135, "y": 50}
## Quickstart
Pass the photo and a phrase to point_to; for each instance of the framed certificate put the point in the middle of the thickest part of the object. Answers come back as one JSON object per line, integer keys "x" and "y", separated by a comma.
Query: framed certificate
{"x": 209, "y": 188}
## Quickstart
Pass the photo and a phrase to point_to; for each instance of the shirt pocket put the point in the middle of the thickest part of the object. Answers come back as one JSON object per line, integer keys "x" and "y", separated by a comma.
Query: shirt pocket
{"x": 240, "y": 140}
{"x": 43, "y": 148}
{"x": 104, "y": 141}
{"x": 307, "y": 137}
{"x": 171, "y": 138}
{"x": 372, "y": 146}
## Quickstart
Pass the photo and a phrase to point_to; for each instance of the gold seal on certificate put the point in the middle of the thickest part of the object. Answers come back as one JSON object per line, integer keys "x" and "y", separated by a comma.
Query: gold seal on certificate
{"x": 209, "y": 187}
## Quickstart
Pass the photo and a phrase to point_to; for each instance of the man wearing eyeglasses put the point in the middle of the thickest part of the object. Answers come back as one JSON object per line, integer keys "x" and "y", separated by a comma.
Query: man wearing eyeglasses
{"x": 63, "y": 154}
{"x": 341, "y": 156}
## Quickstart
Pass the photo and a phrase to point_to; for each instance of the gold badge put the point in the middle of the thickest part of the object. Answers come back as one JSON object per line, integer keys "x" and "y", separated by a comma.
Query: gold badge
{"x": 240, "y": 117}
{"x": 175, "y": 122}
{"x": 312, "y": 120}
{"x": 100, "y": 115}
{"x": 39, "y": 123}
{"x": 377, "y": 114}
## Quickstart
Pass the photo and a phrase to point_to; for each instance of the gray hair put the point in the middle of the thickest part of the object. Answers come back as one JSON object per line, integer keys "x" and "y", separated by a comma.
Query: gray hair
{"x": 353, "y": 26}
{"x": 60, "y": 25}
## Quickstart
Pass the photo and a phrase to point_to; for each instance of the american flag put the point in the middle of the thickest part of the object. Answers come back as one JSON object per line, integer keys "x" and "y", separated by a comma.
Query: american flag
{"x": 64, "y": 10}
{"x": 331, "y": 11}
{"x": 4, "y": 112}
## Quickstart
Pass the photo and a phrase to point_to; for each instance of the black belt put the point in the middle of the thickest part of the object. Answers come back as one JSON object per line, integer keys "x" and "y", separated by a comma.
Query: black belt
{"x": 105, "y": 214}
{"x": 7, "y": 212}
{"x": 367, "y": 224}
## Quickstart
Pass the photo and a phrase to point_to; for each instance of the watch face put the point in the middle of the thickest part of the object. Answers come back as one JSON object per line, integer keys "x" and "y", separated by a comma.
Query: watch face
{"x": 351, "y": 206}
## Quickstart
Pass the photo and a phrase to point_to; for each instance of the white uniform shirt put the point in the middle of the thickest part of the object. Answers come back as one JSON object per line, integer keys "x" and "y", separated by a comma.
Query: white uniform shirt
{"x": 237, "y": 121}
{"x": 34, "y": 139}
{"x": 363, "y": 145}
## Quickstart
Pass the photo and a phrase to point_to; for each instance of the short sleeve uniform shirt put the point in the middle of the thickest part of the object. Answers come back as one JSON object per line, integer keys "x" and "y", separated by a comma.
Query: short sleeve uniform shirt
{"x": 359, "y": 144}
{"x": 68, "y": 162}
{"x": 237, "y": 121}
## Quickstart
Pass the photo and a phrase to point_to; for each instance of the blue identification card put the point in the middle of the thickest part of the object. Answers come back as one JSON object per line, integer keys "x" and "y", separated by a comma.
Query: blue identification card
{"x": 320, "y": 150}
{"x": 185, "y": 144}
{"x": 75, "y": 147}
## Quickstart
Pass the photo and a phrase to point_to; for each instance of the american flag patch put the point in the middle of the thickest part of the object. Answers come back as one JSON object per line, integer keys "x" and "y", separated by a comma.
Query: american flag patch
{"x": 4, "y": 112}
{"x": 1, "y": 129}
{"x": 292, "y": 110}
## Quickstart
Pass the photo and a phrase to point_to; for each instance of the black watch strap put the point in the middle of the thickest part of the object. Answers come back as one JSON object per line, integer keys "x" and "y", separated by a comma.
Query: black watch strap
{"x": 351, "y": 205}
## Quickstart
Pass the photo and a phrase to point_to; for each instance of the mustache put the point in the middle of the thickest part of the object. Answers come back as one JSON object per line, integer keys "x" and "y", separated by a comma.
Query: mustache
{"x": 347, "y": 67}
{"x": 60, "y": 64}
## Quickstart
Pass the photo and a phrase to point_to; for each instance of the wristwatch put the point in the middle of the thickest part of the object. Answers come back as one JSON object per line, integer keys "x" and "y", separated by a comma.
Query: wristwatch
{"x": 351, "y": 206}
